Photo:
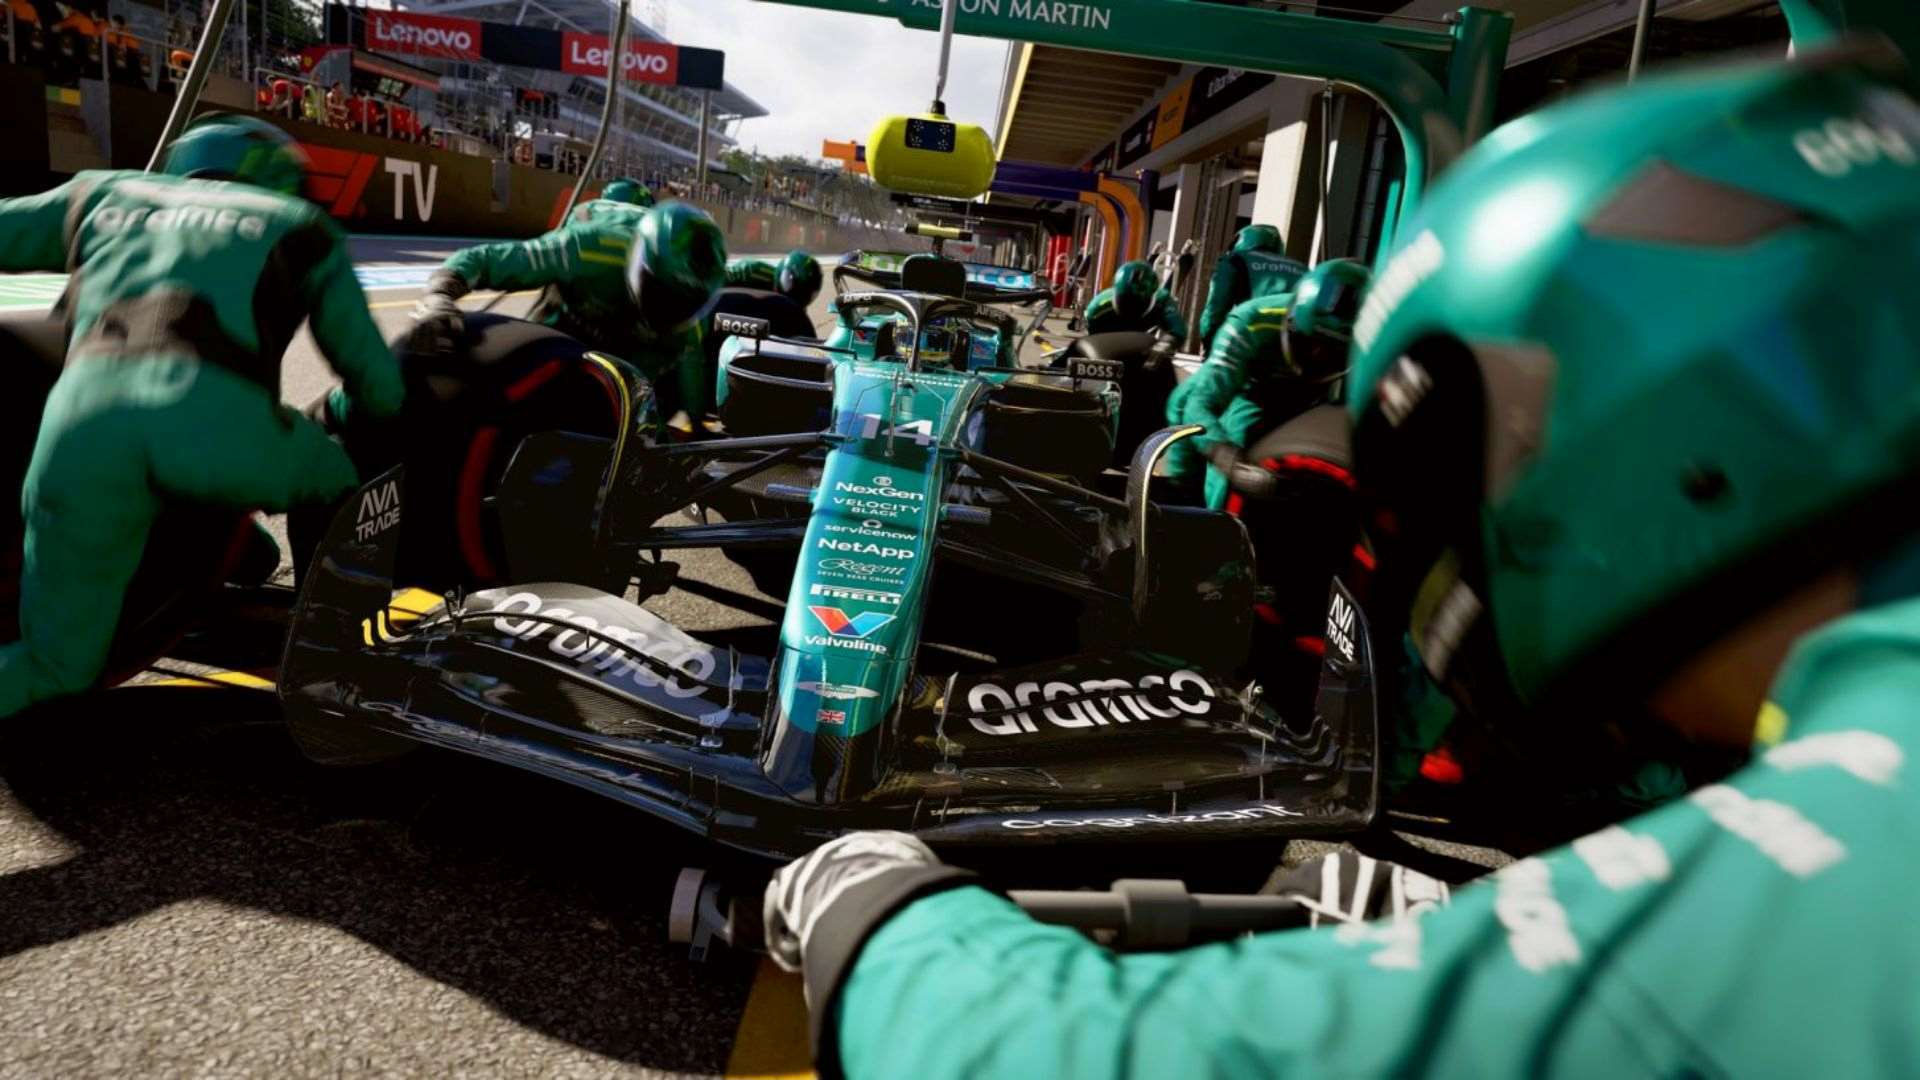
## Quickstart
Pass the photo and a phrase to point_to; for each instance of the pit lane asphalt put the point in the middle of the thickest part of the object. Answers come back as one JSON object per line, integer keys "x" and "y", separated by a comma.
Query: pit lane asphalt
{"x": 181, "y": 893}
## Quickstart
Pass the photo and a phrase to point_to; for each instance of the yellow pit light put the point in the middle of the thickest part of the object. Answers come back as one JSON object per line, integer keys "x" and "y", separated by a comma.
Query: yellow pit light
{"x": 928, "y": 154}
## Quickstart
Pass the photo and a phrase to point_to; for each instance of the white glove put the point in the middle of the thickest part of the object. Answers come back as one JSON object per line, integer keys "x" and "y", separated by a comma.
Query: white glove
{"x": 1348, "y": 888}
{"x": 438, "y": 325}
{"x": 803, "y": 889}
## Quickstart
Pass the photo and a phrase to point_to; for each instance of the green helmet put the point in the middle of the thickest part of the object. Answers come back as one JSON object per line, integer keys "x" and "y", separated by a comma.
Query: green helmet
{"x": 1320, "y": 320}
{"x": 226, "y": 146}
{"x": 1134, "y": 287}
{"x": 627, "y": 190}
{"x": 1258, "y": 238}
{"x": 1643, "y": 363}
{"x": 799, "y": 277}
{"x": 676, "y": 267}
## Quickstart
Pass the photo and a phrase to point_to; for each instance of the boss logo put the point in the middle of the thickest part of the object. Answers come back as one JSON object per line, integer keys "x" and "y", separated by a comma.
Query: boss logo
{"x": 741, "y": 326}
{"x": 1081, "y": 367}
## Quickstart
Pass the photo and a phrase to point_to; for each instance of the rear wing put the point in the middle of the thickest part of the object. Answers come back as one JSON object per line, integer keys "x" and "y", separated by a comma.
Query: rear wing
{"x": 986, "y": 282}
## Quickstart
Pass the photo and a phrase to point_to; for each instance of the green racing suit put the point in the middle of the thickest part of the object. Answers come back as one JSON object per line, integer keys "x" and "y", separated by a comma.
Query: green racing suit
{"x": 582, "y": 267}
{"x": 1240, "y": 276}
{"x": 183, "y": 296}
{"x": 753, "y": 274}
{"x": 1102, "y": 318}
{"x": 1758, "y": 927}
{"x": 607, "y": 208}
{"x": 1245, "y": 389}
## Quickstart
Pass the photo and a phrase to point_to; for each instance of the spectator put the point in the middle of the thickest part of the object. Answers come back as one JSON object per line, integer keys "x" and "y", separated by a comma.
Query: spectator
{"x": 282, "y": 97}
{"x": 336, "y": 105}
{"x": 36, "y": 50}
{"x": 80, "y": 40}
{"x": 313, "y": 105}
{"x": 26, "y": 29}
{"x": 404, "y": 125}
{"x": 123, "y": 52}
{"x": 26, "y": 17}
{"x": 80, "y": 22}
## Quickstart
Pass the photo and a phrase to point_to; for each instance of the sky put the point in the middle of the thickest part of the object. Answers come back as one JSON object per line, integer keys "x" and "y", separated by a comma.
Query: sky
{"x": 828, "y": 75}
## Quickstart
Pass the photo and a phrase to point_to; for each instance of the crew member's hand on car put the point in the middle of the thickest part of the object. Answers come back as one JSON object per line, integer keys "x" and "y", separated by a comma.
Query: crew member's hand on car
{"x": 860, "y": 868}
{"x": 1243, "y": 476}
{"x": 438, "y": 325}
{"x": 1347, "y": 887}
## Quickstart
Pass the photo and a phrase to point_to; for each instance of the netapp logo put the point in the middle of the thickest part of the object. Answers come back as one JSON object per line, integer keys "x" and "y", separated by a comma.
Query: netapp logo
{"x": 857, "y": 548}
{"x": 999, "y": 711}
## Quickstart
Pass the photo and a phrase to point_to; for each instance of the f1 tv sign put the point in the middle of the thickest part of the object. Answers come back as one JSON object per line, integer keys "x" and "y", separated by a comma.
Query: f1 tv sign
{"x": 645, "y": 61}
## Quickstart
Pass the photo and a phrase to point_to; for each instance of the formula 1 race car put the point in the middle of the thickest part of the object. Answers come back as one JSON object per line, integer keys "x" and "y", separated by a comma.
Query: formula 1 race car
{"x": 1144, "y": 720}
{"x": 1080, "y": 423}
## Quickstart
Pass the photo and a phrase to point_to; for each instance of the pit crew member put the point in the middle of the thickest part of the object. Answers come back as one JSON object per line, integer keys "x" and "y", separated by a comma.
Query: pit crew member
{"x": 625, "y": 196}
{"x": 639, "y": 290}
{"x": 1605, "y": 501}
{"x": 1257, "y": 266}
{"x": 796, "y": 276}
{"x": 1136, "y": 301}
{"x": 1275, "y": 357}
{"x": 186, "y": 288}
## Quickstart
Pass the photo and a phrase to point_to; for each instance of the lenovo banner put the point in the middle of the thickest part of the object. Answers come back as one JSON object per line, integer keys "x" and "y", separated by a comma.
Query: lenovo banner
{"x": 522, "y": 46}
{"x": 425, "y": 35}
{"x": 646, "y": 61}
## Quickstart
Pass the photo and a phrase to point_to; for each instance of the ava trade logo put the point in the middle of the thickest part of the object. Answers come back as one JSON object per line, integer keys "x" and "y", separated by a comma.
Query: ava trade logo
{"x": 839, "y": 625}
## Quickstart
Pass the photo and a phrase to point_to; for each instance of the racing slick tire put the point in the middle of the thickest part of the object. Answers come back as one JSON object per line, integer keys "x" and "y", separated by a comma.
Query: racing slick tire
{"x": 1041, "y": 421}
{"x": 1305, "y": 532}
{"x": 465, "y": 415}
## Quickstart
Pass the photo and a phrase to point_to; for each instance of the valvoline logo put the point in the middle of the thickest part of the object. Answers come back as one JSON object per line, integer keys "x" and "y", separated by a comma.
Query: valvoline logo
{"x": 839, "y": 625}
